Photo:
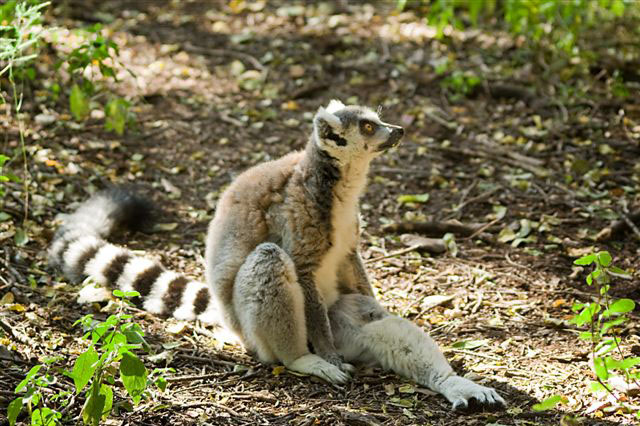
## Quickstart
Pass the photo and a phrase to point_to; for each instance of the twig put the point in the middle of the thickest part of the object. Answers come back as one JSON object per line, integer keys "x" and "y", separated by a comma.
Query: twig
{"x": 192, "y": 377}
{"x": 482, "y": 229}
{"x": 227, "y": 119}
{"x": 478, "y": 354}
{"x": 207, "y": 360}
{"x": 477, "y": 198}
{"x": 627, "y": 220}
{"x": 538, "y": 171}
{"x": 211, "y": 404}
{"x": 394, "y": 254}
{"x": 440, "y": 120}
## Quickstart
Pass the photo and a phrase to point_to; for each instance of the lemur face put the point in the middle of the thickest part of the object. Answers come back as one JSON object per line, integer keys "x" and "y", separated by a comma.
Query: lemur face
{"x": 350, "y": 133}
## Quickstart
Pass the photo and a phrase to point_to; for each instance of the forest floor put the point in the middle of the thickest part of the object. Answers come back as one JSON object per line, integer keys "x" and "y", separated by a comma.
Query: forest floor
{"x": 543, "y": 151}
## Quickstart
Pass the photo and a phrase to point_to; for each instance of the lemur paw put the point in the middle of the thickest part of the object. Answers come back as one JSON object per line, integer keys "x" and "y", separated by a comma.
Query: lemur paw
{"x": 314, "y": 365}
{"x": 460, "y": 392}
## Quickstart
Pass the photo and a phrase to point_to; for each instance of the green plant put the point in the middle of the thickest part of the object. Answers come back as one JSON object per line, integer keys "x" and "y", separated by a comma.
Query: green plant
{"x": 602, "y": 317}
{"x": 110, "y": 356}
{"x": 5, "y": 176}
{"x": 560, "y": 22}
{"x": 18, "y": 46}
{"x": 460, "y": 84}
{"x": 34, "y": 386}
{"x": 98, "y": 51}
{"x": 112, "y": 345}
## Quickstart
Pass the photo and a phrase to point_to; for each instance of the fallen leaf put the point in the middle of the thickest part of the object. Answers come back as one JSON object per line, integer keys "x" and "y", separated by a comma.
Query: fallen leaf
{"x": 470, "y": 344}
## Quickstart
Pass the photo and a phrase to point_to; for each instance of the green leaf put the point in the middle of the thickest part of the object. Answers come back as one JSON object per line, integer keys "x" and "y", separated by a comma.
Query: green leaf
{"x": 469, "y": 344}
{"x": 107, "y": 392}
{"x": 130, "y": 294}
{"x": 116, "y": 113}
{"x": 506, "y": 235}
{"x": 84, "y": 368}
{"x": 585, "y": 260}
{"x": 624, "y": 364}
{"x": 549, "y": 403}
{"x": 622, "y": 306}
{"x": 20, "y": 238}
{"x": 600, "y": 368}
{"x": 94, "y": 406}
{"x": 133, "y": 375}
{"x": 417, "y": 198}
{"x": 118, "y": 293}
{"x": 44, "y": 417}
{"x": 596, "y": 387}
{"x": 617, "y": 7}
{"x": 79, "y": 103}
{"x": 621, "y": 272}
{"x": 586, "y": 335}
{"x": 604, "y": 258}
{"x": 161, "y": 383}
{"x": 13, "y": 410}
{"x": 31, "y": 374}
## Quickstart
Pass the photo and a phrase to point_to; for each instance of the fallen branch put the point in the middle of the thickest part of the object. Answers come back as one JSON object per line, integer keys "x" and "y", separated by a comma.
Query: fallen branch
{"x": 431, "y": 245}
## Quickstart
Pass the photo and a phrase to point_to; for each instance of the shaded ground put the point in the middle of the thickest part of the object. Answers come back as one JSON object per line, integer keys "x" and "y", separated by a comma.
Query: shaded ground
{"x": 547, "y": 141}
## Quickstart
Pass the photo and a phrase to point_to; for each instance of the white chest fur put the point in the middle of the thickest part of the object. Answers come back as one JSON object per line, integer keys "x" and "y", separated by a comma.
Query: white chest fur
{"x": 344, "y": 235}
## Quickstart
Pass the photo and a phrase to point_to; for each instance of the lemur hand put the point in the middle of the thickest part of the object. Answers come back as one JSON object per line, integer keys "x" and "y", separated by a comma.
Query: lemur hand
{"x": 335, "y": 359}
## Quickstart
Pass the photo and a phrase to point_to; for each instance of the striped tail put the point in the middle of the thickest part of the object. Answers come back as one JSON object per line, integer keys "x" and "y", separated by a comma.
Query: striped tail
{"x": 79, "y": 250}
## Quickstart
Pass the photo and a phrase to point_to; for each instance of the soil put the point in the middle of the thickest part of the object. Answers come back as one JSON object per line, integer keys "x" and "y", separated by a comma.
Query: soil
{"x": 545, "y": 139}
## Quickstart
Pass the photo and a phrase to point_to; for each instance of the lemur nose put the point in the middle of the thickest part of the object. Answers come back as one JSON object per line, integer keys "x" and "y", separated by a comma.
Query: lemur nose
{"x": 399, "y": 130}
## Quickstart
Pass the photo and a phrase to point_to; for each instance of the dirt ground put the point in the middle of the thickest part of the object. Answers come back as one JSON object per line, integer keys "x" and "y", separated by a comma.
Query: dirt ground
{"x": 215, "y": 91}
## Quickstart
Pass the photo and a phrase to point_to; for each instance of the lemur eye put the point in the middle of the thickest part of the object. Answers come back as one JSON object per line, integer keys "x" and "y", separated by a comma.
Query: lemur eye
{"x": 368, "y": 128}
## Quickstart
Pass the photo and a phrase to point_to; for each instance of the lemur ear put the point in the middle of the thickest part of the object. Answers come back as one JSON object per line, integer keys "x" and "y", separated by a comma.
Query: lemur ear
{"x": 334, "y": 106}
{"x": 329, "y": 118}
{"x": 327, "y": 126}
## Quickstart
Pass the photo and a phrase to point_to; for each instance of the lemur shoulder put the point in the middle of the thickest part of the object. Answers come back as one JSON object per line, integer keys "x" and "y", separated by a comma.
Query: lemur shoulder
{"x": 282, "y": 262}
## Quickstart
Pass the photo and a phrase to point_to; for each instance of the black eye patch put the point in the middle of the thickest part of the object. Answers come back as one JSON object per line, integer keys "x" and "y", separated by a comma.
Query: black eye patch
{"x": 339, "y": 140}
{"x": 326, "y": 132}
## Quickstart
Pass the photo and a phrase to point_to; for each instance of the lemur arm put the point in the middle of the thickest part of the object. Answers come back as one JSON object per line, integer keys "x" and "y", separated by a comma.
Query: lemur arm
{"x": 352, "y": 276}
{"x": 317, "y": 319}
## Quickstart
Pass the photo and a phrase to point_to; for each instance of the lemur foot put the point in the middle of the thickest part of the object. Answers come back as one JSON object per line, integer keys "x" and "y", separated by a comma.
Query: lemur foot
{"x": 316, "y": 366}
{"x": 460, "y": 392}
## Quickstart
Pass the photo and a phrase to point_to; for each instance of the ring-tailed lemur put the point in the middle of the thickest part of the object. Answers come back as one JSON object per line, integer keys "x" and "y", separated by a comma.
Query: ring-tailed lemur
{"x": 282, "y": 262}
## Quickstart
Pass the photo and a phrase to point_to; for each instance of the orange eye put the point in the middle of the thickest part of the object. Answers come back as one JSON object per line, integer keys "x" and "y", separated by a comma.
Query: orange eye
{"x": 368, "y": 128}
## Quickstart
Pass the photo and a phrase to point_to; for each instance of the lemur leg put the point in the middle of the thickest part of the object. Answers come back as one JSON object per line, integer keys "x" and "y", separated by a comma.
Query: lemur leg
{"x": 269, "y": 305}
{"x": 363, "y": 331}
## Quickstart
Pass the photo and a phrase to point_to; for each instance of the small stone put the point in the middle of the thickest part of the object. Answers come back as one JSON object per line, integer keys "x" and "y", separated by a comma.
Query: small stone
{"x": 45, "y": 119}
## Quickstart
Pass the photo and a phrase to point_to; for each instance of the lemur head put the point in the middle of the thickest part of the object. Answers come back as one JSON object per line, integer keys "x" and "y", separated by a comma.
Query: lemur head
{"x": 353, "y": 132}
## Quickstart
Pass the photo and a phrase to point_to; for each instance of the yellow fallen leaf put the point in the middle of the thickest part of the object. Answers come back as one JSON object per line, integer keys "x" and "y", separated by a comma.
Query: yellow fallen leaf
{"x": 558, "y": 302}
{"x": 406, "y": 389}
{"x": 177, "y": 327}
{"x": 17, "y": 307}
{"x": 290, "y": 106}
{"x": 278, "y": 370}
